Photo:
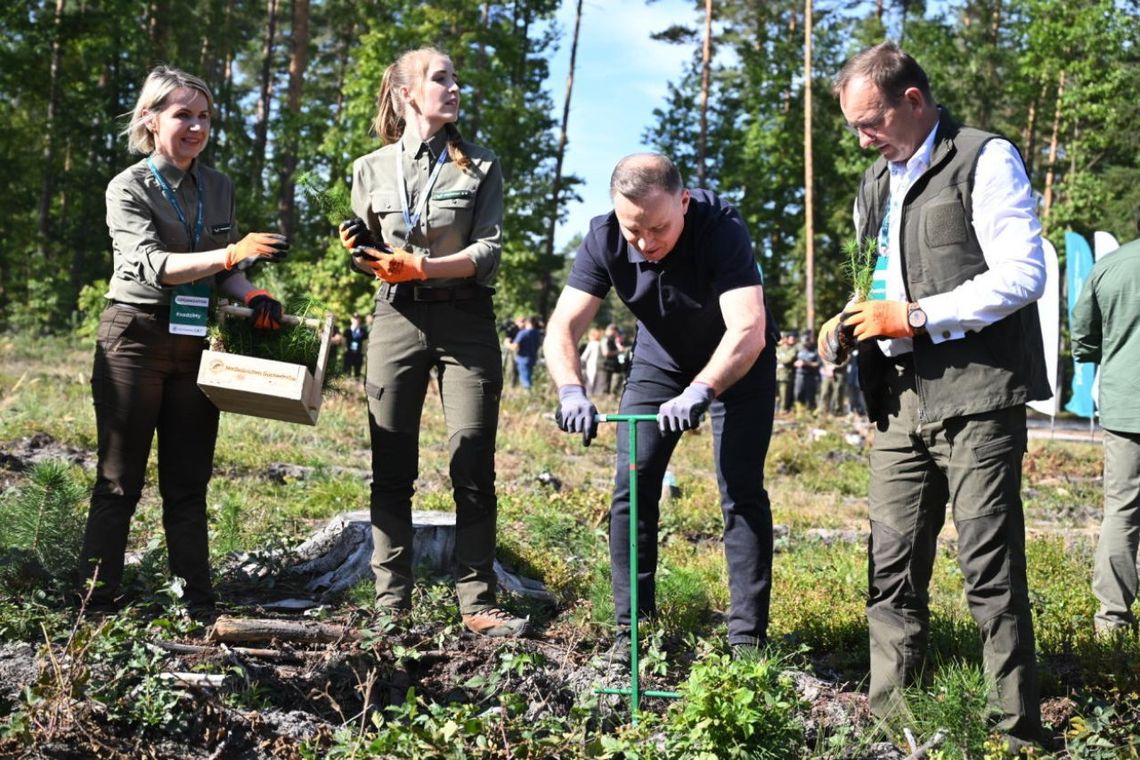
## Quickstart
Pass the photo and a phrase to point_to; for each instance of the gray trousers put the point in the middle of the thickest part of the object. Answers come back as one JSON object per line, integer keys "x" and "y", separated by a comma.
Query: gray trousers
{"x": 974, "y": 463}
{"x": 1114, "y": 569}
{"x": 407, "y": 342}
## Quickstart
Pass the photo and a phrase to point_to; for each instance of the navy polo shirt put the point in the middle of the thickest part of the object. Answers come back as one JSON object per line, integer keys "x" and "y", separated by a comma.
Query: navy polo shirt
{"x": 677, "y": 299}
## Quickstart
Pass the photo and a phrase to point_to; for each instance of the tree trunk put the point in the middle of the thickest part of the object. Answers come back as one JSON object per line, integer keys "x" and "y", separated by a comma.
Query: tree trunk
{"x": 556, "y": 189}
{"x": 298, "y": 64}
{"x": 1047, "y": 204}
{"x": 47, "y": 188}
{"x": 263, "y": 631}
{"x": 1029, "y": 137}
{"x": 706, "y": 60}
{"x": 481, "y": 65}
{"x": 809, "y": 194}
{"x": 337, "y": 557}
{"x": 265, "y": 95}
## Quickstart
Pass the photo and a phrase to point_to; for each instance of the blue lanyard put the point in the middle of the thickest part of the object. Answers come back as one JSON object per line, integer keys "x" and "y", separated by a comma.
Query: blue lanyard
{"x": 412, "y": 219}
{"x": 168, "y": 191}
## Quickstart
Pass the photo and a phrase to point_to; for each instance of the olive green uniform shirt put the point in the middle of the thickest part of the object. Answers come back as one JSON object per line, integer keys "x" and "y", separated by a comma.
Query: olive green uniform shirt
{"x": 1105, "y": 328}
{"x": 464, "y": 213}
{"x": 146, "y": 231}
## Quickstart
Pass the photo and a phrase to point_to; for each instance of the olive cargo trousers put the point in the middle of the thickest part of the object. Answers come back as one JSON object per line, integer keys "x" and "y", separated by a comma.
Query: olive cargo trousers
{"x": 407, "y": 341}
{"x": 974, "y": 462}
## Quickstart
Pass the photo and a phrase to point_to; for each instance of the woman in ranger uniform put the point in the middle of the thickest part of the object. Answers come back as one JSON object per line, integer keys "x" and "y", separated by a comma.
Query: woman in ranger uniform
{"x": 174, "y": 236}
{"x": 430, "y": 209}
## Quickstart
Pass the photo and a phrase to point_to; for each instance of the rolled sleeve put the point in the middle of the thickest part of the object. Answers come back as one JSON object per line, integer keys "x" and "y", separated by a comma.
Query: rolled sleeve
{"x": 486, "y": 246}
{"x": 139, "y": 254}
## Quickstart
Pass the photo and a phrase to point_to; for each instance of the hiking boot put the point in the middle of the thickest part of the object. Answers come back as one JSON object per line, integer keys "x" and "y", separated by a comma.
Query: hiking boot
{"x": 495, "y": 621}
{"x": 619, "y": 652}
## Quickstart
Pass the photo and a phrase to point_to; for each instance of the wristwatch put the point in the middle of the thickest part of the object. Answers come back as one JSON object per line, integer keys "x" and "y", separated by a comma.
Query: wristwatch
{"x": 916, "y": 318}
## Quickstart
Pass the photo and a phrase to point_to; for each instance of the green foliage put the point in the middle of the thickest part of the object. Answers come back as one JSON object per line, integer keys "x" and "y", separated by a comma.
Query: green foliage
{"x": 293, "y": 343}
{"x": 735, "y": 709}
{"x": 859, "y": 264}
{"x": 955, "y": 704}
{"x": 334, "y": 202}
{"x": 41, "y": 526}
{"x": 89, "y": 307}
{"x": 1106, "y": 729}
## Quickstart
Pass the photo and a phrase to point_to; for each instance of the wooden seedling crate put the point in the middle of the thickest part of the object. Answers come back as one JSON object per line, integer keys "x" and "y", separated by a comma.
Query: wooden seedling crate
{"x": 264, "y": 387}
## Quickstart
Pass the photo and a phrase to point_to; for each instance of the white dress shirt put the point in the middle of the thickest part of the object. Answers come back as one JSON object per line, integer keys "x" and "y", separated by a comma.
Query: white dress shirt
{"x": 1006, "y": 225}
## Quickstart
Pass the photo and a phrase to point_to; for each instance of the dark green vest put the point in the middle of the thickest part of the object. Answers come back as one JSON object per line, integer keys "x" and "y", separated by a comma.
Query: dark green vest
{"x": 1001, "y": 365}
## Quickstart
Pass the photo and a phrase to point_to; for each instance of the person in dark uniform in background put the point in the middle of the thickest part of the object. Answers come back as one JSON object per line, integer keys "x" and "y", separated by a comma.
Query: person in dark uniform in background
{"x": 354, "y": 340}
{"x": 174, "y": 237}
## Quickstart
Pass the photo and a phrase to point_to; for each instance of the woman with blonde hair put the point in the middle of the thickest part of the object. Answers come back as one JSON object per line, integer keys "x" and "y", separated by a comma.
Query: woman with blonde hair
{"x": 429, "y": 227}
{"x": 174, "y": 238}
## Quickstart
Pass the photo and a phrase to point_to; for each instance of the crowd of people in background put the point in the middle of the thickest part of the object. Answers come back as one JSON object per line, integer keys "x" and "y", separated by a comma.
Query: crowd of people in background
{"x": 807, "y": 381}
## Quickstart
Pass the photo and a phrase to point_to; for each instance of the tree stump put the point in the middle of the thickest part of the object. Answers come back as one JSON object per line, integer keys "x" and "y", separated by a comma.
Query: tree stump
{"x": 338, "y": 555}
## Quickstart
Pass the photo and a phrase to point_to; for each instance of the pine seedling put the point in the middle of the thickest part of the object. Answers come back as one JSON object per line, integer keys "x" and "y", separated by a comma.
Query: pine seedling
{"x": 43, "y": 523}
{"x": 859, "y": 263}
{"x": 295, "y": 344}
{"x": 333, "y": 201}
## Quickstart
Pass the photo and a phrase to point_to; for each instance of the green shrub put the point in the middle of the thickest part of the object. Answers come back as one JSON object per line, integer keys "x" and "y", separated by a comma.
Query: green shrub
{"x": 735, "y": 709}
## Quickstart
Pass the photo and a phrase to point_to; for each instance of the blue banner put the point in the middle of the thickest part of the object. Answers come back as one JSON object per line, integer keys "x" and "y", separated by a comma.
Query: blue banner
{"x": 1078, "y": 264}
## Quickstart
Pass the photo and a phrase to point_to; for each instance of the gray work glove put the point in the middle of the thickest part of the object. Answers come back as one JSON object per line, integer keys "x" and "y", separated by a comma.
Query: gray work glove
{"x": 684, "y": 412}
{"x": 835, "y": 340}
{"x": 576, "y": 413}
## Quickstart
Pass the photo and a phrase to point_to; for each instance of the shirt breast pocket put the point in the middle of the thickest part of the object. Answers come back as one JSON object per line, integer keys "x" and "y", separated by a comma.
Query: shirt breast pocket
{"x": 453, "y": 207}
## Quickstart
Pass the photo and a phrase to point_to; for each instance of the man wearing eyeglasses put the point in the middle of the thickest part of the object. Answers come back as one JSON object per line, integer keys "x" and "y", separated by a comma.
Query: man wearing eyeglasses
{"x": 950, "y": 350}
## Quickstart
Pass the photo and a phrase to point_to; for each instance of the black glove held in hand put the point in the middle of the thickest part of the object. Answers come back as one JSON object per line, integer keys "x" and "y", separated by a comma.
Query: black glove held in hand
{"x": 266, "y": 310}
{"x": 576, "y": 413}
{"x": 354, "y": 232}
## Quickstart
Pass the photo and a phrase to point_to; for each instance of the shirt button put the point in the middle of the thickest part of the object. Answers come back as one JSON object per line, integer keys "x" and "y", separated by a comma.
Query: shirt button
{"x": 945, "y": 335}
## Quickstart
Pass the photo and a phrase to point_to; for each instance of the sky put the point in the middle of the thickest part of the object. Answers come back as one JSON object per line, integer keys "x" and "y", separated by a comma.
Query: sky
{"x": 620, "y": 76}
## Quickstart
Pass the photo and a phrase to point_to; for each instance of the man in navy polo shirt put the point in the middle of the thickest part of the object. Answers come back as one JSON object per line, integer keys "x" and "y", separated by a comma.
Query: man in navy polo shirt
{"x": 682, "y": 261}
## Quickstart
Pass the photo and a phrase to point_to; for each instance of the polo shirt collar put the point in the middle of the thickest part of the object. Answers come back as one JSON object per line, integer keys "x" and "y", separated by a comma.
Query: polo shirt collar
{"x": 635, "y": 256}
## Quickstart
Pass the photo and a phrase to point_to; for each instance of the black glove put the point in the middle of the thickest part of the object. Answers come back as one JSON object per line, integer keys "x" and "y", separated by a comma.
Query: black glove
{"x": 684, "y": 412}
{"x": 576, "y": 413}
{"x": 354, "y": 232}
{"x": 266, "y": 310}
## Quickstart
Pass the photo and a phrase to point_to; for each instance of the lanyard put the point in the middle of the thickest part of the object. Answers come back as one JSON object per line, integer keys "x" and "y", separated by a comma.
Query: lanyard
{"x": 168, "y": 191}
{"x": 412, "y": 219}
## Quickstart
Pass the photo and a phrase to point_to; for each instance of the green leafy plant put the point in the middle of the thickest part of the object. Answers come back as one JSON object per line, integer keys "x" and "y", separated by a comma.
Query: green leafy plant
{"x": 735, "y": 709}
{"x": 859, "y": 264}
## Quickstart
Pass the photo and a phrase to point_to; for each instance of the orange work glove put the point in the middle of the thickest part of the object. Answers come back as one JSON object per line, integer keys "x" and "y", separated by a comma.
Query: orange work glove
{"x": 266, "y": 310}
{"x": 878, "y": 319}
{"x": 834, "y": 342}
{"x": 398, "y": 266}
{"x": 255, "y": 246}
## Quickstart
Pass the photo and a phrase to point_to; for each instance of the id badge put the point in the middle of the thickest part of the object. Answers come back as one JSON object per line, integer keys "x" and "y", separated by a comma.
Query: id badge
{"x": 190, "y": 309}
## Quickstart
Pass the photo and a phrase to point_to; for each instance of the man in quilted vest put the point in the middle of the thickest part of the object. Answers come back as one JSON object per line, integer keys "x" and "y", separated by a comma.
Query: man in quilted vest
{"x": 950, "y": 350}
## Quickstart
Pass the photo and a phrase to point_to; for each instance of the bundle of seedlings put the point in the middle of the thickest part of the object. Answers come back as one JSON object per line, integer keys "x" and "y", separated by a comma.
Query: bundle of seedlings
{"x": 859, "y": 263}
{"x": 295, "y": 343}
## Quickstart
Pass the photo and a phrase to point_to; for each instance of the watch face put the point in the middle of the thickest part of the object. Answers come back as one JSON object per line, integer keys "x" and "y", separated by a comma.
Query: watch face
{"x": 916, "y": 318}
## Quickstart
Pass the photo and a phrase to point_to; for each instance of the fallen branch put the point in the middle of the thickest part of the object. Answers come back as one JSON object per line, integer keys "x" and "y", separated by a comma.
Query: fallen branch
{"x": 274, "y": 655}
{"x": 231, "y": 629}
{"x": 921, "y": 752}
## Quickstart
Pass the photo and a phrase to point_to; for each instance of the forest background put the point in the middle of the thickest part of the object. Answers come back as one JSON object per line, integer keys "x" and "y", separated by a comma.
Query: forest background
{"x": 295, "y": 83}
